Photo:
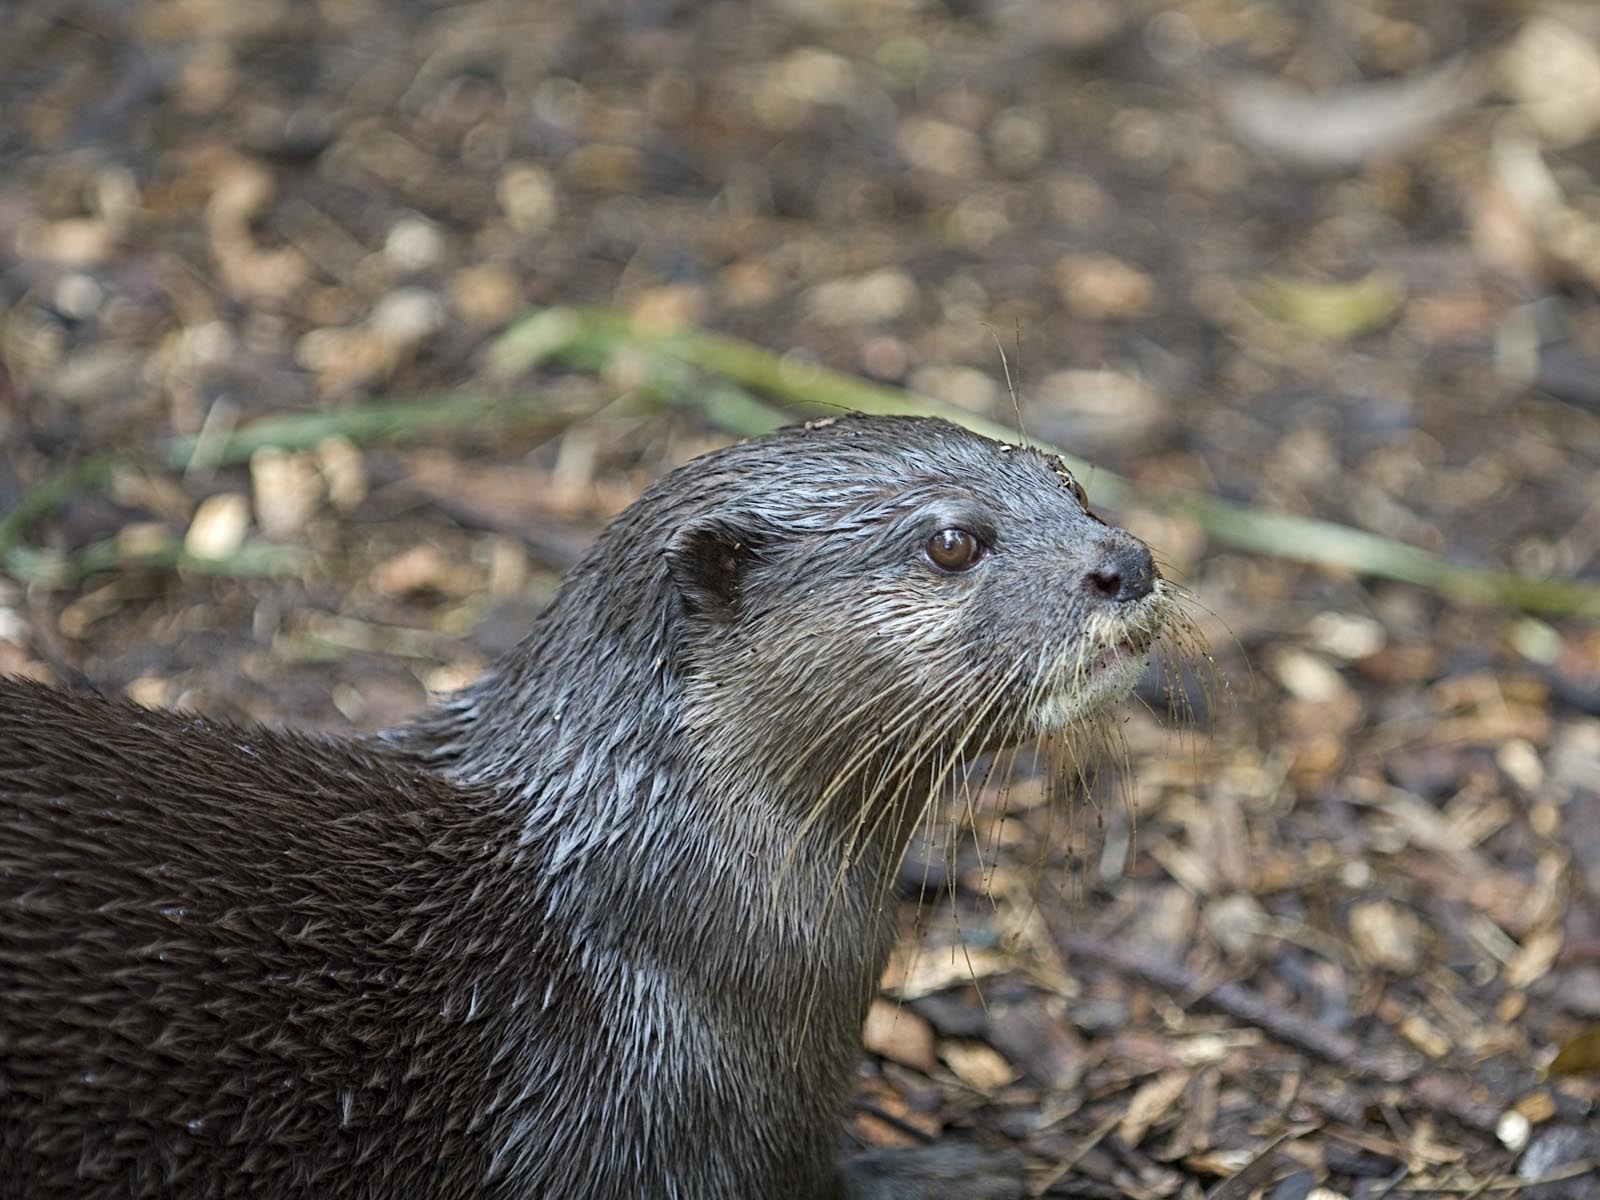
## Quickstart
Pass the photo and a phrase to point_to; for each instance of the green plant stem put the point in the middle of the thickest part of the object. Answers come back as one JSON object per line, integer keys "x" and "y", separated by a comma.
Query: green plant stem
{"x": 363, "y": 424}
{"x": 675, "y": 366}
{"x": 593, "y": 337}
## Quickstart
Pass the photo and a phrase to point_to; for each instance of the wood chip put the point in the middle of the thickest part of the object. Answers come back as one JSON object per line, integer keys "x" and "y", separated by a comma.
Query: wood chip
{"x": 1101, "y": 287}
{"x": 1150, "y": 1104}
{"x": 1534, "y": 958}
{"x": 1386, "y": 936}
{"x": 218, "y": 527}
{"x": 287, "y": 489}
{"x": 978, "y": 1066}
{"x": 895, "y": 1032}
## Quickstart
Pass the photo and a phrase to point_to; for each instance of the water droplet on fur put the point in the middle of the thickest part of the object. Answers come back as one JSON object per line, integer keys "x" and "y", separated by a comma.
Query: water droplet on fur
{"x": 195, "y": 1124}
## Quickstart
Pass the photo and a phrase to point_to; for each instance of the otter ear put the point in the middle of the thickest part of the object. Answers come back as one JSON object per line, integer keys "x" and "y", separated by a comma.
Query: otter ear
{"x": 709, "y": 560}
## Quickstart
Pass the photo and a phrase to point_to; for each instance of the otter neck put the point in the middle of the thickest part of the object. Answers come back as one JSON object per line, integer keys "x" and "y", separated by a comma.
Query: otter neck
{"x": 641, "y": 812}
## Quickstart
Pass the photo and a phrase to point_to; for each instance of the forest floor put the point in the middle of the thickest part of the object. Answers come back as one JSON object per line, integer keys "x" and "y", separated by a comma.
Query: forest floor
{"x": 1337, "y": 935}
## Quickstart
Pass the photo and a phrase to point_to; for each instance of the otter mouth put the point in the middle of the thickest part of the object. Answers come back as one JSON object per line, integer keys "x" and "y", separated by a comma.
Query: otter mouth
{"x": 1097, "y": 685}
{"x": 1134, "y": 645}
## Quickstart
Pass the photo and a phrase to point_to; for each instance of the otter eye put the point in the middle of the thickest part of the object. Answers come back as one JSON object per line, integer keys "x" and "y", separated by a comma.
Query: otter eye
{"x": 954, "y": 549}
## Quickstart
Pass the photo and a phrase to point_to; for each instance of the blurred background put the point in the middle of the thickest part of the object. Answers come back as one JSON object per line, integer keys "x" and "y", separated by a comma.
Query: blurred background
{"x": 1334, "y": 258}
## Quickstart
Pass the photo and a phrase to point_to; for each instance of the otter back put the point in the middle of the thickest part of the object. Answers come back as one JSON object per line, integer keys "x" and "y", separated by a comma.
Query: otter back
{"x": 184, "y": 905}
{"x": 245, "y": 962}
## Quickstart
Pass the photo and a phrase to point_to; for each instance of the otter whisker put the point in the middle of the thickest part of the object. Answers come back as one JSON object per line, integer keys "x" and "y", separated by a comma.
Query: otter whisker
{"x": 893, "y": 773}
{"x": 957, "y": 756}
{"x": 909, "y": 762}
{"x": 908, "y": 718}
{"x": 900, "y": 772}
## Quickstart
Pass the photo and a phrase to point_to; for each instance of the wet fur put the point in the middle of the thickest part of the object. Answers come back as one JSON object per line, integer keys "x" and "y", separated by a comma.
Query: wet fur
{"x": 603, "y": 925}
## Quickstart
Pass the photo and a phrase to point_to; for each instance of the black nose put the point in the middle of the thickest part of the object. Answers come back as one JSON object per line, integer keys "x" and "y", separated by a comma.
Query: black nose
{"x": 1125, "y": 572}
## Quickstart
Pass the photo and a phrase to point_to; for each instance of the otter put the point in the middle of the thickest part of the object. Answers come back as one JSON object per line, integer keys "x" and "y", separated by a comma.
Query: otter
{"x": 603, "y": 925}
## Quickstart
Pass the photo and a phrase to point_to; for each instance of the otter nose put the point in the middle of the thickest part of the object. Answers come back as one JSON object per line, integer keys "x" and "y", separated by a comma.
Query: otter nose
{"x": 1125, "y": 572}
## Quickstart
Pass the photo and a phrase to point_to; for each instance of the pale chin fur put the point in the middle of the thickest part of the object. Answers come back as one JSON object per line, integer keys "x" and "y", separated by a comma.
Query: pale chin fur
{"x": 1089, "y": 697}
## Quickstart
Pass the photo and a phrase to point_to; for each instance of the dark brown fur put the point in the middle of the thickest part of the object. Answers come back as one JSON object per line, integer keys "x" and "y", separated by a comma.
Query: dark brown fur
{"x": 195, "y": 1002}
{"x": 606, "y": 924}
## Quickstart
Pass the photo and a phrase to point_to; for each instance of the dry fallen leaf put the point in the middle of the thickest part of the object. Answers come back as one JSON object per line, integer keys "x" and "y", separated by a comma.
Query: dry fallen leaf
{"x": 1386, "y": 936}
{"x": 1150, "y": 1103}
{"x": 1333, "y": 311}
{"x": 1552, "y": 71}
{"x": 915, "y": 971}
{"x": 422, "y": 567}
{"x": 1425, "y": 1036}
{"x": 1535, "y": 958}
{"x": 863, "y": 299}
{"x": 1580, "y": 1056}
{"x": 1307, "y": 676}
{"x": 978, "y": 1066}
{"x": 1537, "y": 1106}
{"x": 344, "y": 472}
{"x": 1347, "y": 127}
{"x": 287, "y": 489}
{"x": 895, "y": 1032}
{"x": 218, "y": 527}
{"x": 1100, "y": 287}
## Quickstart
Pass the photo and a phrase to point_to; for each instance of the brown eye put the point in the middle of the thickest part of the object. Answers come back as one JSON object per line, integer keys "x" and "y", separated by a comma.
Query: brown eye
{"x": 954, "y": 549}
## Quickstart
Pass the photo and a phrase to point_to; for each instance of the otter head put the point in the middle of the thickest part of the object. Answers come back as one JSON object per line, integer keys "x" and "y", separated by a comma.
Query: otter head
{"x": 881, "y": 596}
